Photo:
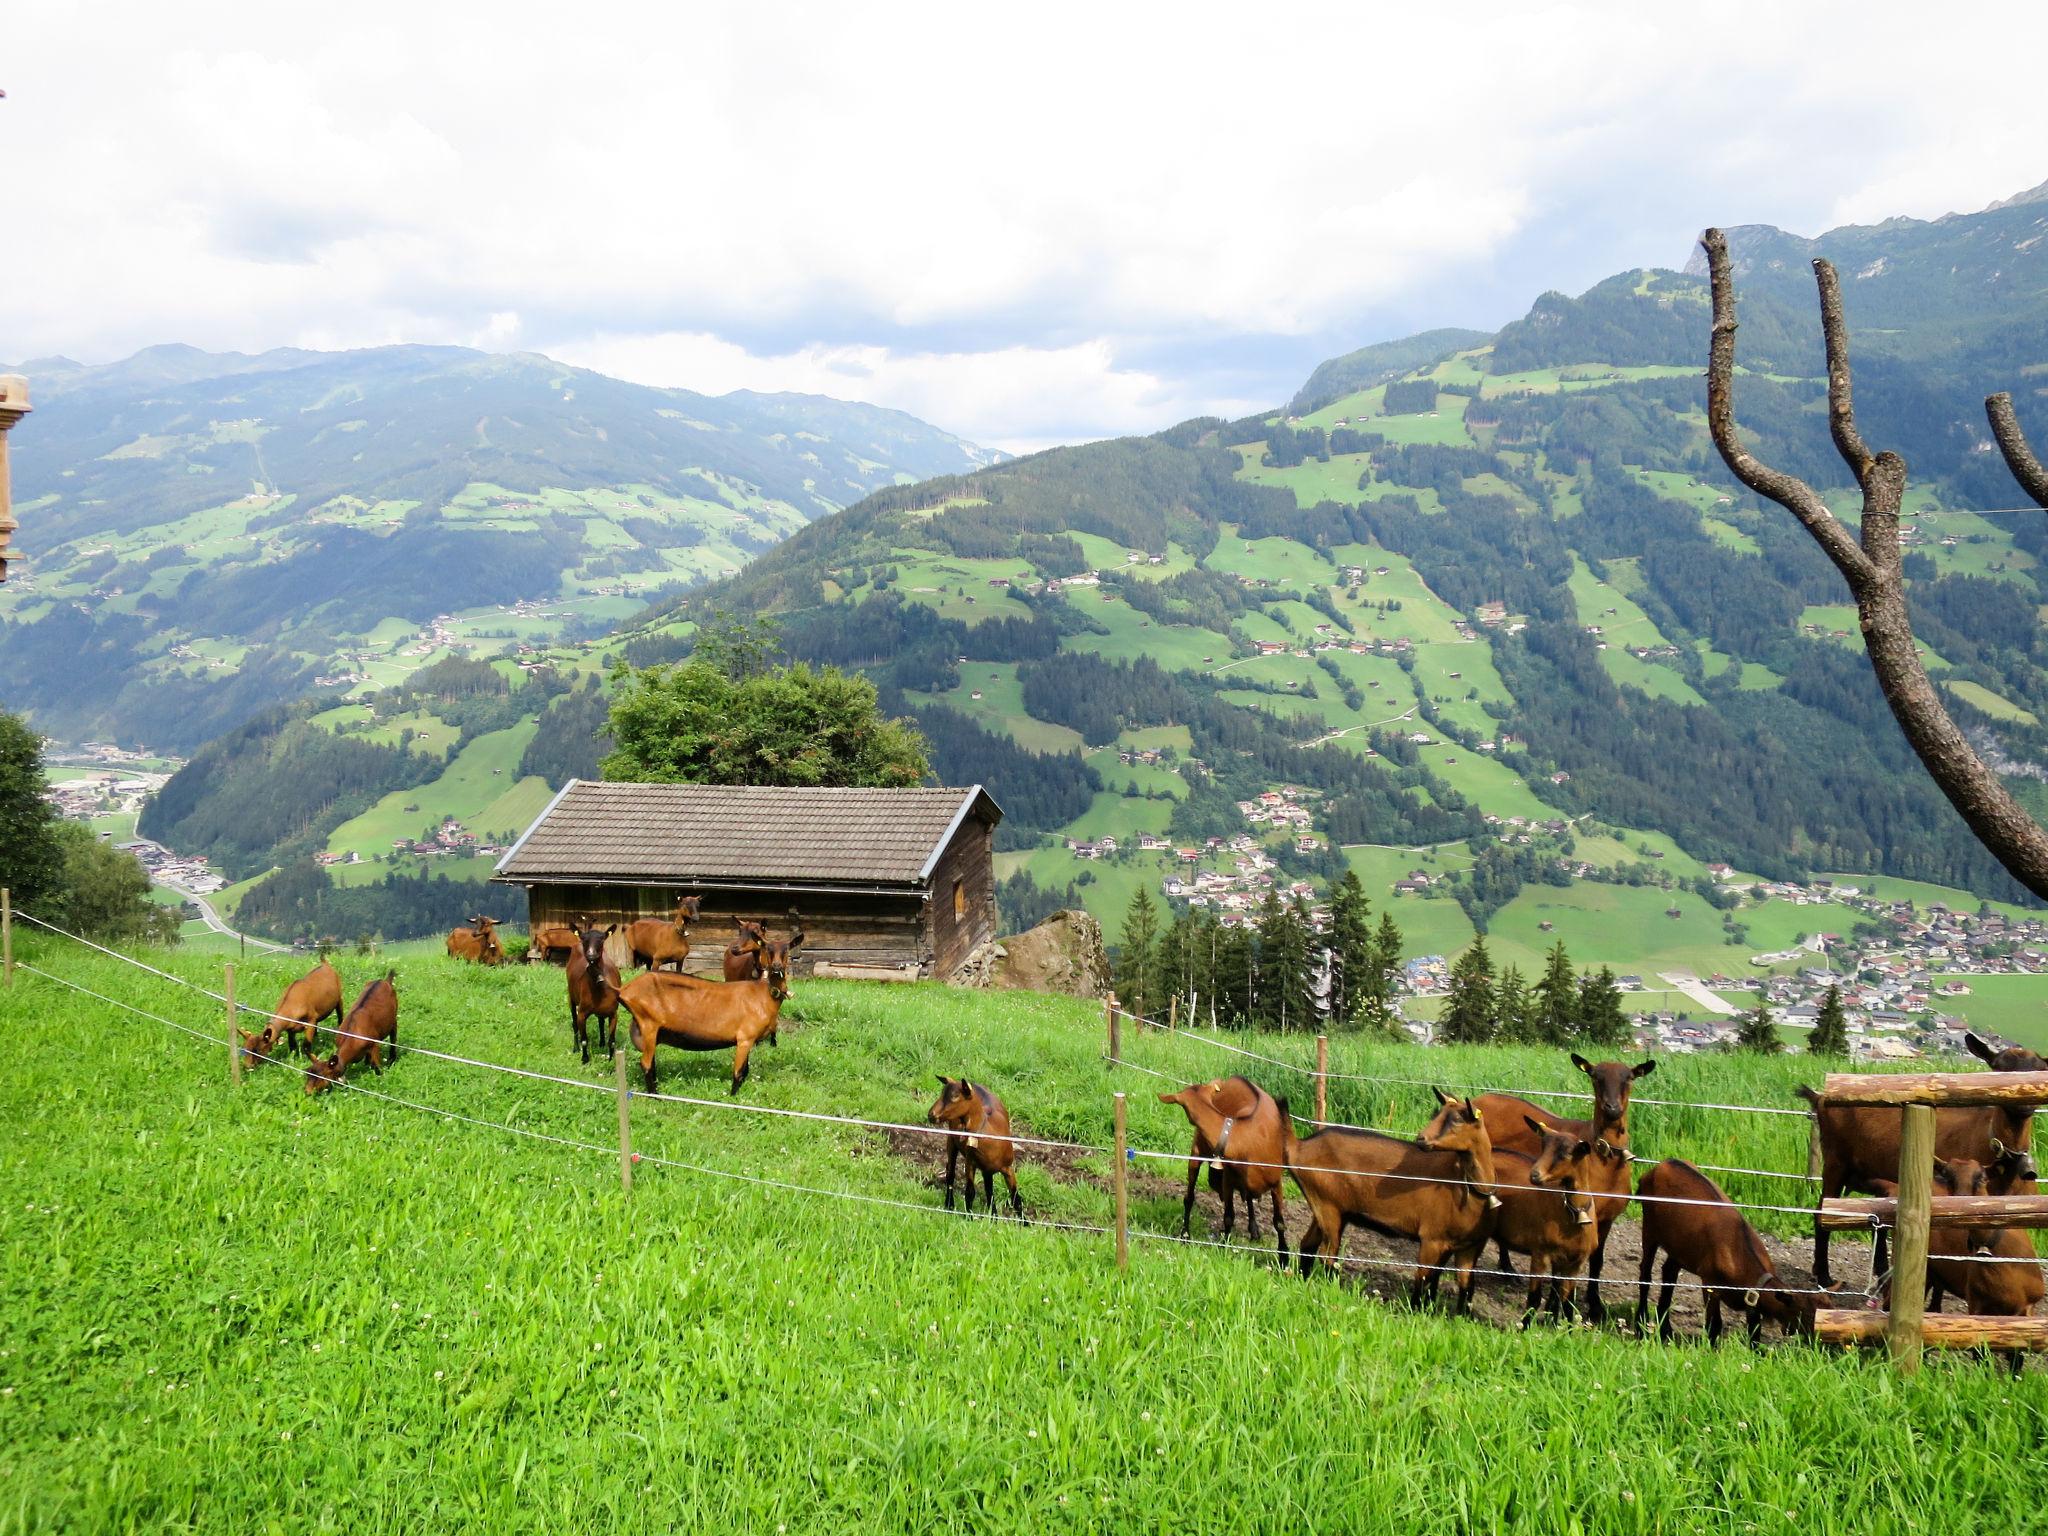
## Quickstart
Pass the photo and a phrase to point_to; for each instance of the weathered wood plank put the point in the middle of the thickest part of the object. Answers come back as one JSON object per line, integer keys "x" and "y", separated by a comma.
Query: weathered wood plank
{"x": 1948, "y": 1211}
{"x": 1939, "y": 1088}
{"x": 1941, "y": 1330}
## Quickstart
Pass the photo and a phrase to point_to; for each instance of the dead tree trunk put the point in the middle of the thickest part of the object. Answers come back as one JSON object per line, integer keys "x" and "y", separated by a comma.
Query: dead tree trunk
{"x": 1874, "y": 566}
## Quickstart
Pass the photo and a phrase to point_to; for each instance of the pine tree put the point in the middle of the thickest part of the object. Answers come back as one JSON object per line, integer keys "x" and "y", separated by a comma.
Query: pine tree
{"x": 1137, "y": 962}
{"x": 1830, "y": 1035}
{"x": 1758, "y": 1032}
{"x": 1351, "y": 951}
{"x": 1383, "y": 975}
{"x": 1601, "y": 1021}
{"x": 1468, "y": 1016}
{"x": 1235, "y": 967}
{"x": 1514, "y": 1007}
{"x": 31, "y": 862}
{"x": 1557, "y": 999}
{"x": 1285, "y": 997}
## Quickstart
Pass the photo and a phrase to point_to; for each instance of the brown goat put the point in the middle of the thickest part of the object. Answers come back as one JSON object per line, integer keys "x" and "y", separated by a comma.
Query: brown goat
{"x": 370, "y": 1028}
{"x": 2010, "y": 1285}
{"x": 1715, "y": 1242}
{"x": 743, "y": 954}
{"x": 478, "y": 943}
{"x": 965, "y": 1106}
{"x": 1546, "y": 1213}
{"x": 1432, "y": 1190}
{"x": 593, "y": 991}
{"x": 305, "y": 1003}
{"x": 1613, "y": 1081}
{"x": 656, "y": 942}
{"x": 697, "y": 1015}
{"x": 1238, "y": 1130}
{"x": 1859, "y": 1145}
{"x": 555, "y": 942}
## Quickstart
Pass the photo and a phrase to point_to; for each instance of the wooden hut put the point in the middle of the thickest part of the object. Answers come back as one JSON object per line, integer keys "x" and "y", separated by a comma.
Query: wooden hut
{"x": 887, "y": 882}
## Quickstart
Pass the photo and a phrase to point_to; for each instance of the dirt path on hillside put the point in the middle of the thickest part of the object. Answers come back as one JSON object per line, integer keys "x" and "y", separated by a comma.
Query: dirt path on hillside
{"x": 1383, "y": 1265}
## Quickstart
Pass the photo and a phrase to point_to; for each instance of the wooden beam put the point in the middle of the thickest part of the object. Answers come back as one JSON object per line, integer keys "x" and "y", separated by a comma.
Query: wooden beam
{"x": 1909, "y": 1238}
{"x": 1944, "y": 1089}
{"x": 1941, "y": 1330}
{"x": 1947, "y": 1211}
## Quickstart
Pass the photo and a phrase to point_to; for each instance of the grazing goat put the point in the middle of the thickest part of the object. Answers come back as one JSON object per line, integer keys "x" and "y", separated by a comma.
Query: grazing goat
{"x": 709, "y": 1016}
{"x": 1712, "y": 1240}
{"x": 1859, "y": 1144}
{"x": 1613, "y": 1081}
{"x": 1432, "y": 1190}
{"x": 478, "y": 943}
{"x": 555, "y": 942}
{"x": 1238, "y": 1130}
{"x": 593, "y": 991}
{"x": 306, "y": 1002}
{"x": 371, "y": 1027}
{"x": 1546, "y": 1212}
{"x": 743, "y": 954}
{"x": 656, "y": 942}
{"x": 969, "y": 1107}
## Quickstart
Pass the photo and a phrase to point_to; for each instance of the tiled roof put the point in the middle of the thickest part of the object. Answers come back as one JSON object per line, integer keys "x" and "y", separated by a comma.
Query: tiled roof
{"x": 680, "y": 834}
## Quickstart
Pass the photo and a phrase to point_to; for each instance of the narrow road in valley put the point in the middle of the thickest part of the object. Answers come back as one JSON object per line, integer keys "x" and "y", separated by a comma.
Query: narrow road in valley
{"x": 212, "y": 919}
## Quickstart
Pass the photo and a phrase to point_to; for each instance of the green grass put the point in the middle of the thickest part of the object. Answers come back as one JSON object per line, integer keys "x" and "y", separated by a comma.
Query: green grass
{"x": 1623, "y": 624}
{"x": 1001, "y": 707}
{"x": 476, "y": 781}
{"x": 1618, "y": 925}
{"x": 1837, "y": 624}
{"x": 2013, "y": 1006}
{"x": 1922, "y": 894}
{"x": 237, "y": 1310}
{"x": 1992, "y": 704}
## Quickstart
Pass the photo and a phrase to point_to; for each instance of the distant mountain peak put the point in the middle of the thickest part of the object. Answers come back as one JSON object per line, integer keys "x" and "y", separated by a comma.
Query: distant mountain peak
{"x": 2038, "y": 194}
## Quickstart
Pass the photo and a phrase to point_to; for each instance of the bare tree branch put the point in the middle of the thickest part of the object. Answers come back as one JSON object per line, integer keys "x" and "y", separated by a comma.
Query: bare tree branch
{"x": 1875, "y": 570}
{"x": 2012, "y": 442}
{"x": 1789, "y": 492}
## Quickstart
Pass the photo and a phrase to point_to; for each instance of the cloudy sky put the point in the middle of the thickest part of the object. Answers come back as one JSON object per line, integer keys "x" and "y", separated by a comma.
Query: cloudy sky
{"x": 1027, "y": 225}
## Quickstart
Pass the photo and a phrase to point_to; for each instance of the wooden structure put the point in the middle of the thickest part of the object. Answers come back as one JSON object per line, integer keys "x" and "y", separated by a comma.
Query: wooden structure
{"x": 1916, "y": 1211}
{"x": 889, "y": 883}
{"x": 13, "y": 406}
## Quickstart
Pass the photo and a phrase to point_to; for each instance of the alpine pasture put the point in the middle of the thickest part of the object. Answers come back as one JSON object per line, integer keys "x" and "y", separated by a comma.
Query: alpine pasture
{"x": 244, "y": 1308}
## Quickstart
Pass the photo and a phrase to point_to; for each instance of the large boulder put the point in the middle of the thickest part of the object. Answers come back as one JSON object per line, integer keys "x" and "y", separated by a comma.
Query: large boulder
{"x": 1063, "y": 954}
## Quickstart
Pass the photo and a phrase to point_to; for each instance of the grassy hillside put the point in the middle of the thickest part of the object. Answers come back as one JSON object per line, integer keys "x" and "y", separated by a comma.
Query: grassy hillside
{"x": 406, "y": 1320}
{"x": 208, "y": 534}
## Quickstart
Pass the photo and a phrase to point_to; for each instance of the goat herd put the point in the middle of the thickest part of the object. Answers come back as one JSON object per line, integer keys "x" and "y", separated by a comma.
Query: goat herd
{"x": 1487, "y": 1169}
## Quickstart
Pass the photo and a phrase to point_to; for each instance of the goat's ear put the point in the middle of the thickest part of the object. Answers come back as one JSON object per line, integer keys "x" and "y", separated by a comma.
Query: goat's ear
{"x": 1441, "y": 1096}
{"x": 1979, "y": 1049}
{"x": 944, "y": 1081}
{"x": 1642, "y": 1069}
{"x": 1581, "y": 1063}
{"x": 1997, "y": 1148}
{"x": 1944, "y": 1169}
{"x": 1536, "y": 1125}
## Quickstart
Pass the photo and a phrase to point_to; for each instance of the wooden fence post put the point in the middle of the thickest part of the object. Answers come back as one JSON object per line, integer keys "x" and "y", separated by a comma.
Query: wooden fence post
{"x": 625, "y": 1121}
{"x": 1110, "y": 1018}
{"x": 1123, "y": 1193}
{"x": 1322, "y": 1077}
{"x": 1173, "y": 1012}
{"x": 1909, "y": 1236}
{"x": 6, "y": 937}
{"x": 234, "y": 1040}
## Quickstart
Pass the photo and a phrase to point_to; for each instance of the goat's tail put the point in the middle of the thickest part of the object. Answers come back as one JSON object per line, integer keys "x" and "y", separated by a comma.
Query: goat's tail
{"x": 1810, "y": 1095}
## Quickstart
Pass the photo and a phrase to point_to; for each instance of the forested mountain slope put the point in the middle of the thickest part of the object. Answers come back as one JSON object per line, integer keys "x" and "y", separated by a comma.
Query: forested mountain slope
{"x": 209, "y": 534}
{"x": 1501, "y": 622}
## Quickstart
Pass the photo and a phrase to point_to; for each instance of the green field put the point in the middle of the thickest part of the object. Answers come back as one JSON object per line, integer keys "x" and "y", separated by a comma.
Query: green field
{"x": 480, "y": 782}
{"x": 246, "y": 1309}
{"x": 2013, "y": 1006}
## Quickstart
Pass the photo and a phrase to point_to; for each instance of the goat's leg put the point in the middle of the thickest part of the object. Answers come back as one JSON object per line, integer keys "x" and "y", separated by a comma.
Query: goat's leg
{"x": 988, "y": 1190}
{"x": 1714, "y": 1322}
{"x": 1664, "y": 1328}
{"x": 1280, "y": 1223}
{"x": 1016, "y": 1200}
{"x": 1596, "y": 1310}
{"x": 1533, "y": 1299}
{"x": 1187, "y": 1206}
{"x": 739, "y": 1063}
{"x": 952, "y": 1164}
{"x": 1643, "y": 1273}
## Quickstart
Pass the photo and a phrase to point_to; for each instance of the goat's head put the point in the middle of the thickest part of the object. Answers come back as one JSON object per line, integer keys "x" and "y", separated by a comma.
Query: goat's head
{"x": 1966, "y": 1176}
{"x": 323, "y": 1075}
{"x": 1457, "y": 1126}
{"x": 2009, "y": 1058}
{"x": 1612, "y": 1083}
{"x": 686, "y": 910}
{"x": 748, "y": 936}
{"x": 1564, "y": 1163}
{"x": 956, "y": 1102}
{"x": 592, "y": 941}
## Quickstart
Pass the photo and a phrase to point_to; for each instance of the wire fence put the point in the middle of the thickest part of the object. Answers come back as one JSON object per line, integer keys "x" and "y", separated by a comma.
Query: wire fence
{"x": 860, "y": 1122}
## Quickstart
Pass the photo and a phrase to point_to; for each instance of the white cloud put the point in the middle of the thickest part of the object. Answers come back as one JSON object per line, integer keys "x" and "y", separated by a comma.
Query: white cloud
{"x": 954, "y": 206}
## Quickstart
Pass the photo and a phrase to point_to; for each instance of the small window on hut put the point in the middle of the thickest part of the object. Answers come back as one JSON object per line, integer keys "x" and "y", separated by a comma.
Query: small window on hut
{"x": 959, "y": 899}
